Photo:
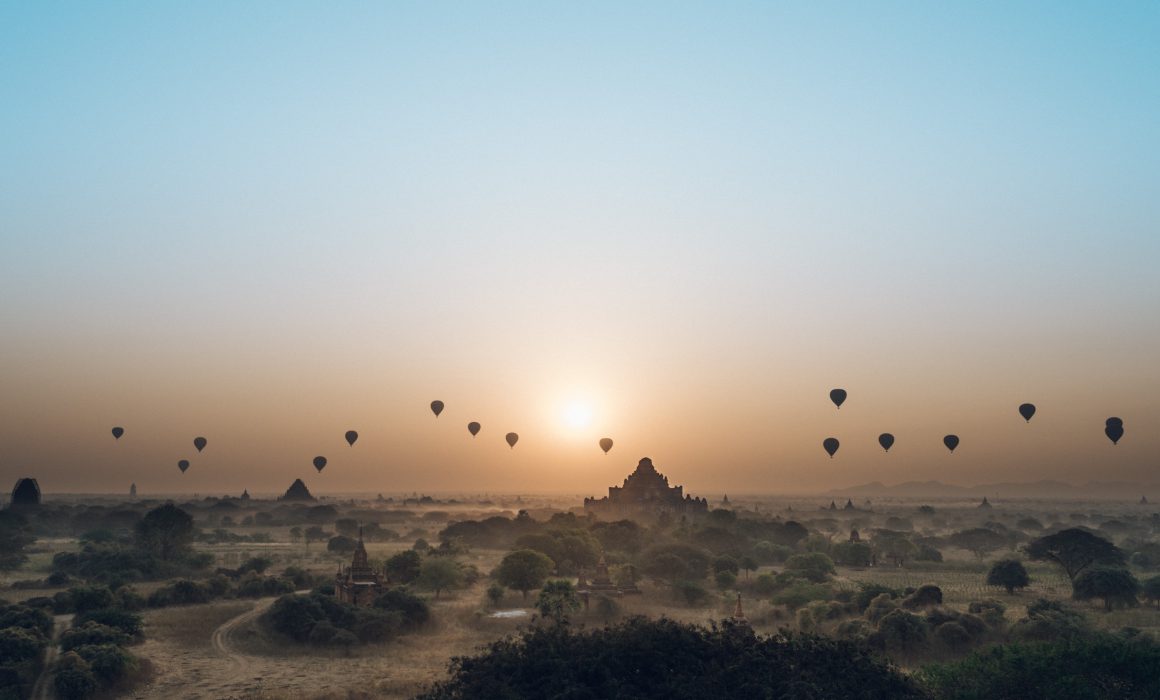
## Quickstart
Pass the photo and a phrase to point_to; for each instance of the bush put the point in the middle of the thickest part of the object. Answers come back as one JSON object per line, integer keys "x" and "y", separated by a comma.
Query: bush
{"x": 801, "y": 593}
{"x": 867, "y": 592}
{"x": 991, "y": 611}
{"x": 92, "y": 634}
{"x": 903, "y": 631}
{"x": 72, "y": 677}
{"x": 412, "y": 609}
{"x": 341, "y": 544}
{"x": 923, "y": 596}
{"x": 1102, "y": 666}
{"x": 107, "y": 662}
{"x": 691, "y": 592}
{"x": 880, "y": 607}
{"x": 953, "y": 635}
{"x": 127, "y": 622}
{"x": 813, "y": 566}
{"x": 647, "y": 659}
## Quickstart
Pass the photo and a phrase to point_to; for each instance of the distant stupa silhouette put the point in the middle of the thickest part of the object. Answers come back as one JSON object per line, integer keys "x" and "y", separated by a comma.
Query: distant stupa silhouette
{"x": 26, "y": 493}
{"x": 297, "y": 492}
{"x": 985, "y": 503}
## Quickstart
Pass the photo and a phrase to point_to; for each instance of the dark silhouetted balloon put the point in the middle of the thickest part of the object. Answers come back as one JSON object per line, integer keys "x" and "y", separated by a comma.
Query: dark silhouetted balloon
{"x": 118, "y": 432}
{"x": 351, "y": 436}
{"x": 838, "y": 396}
{"x": 1114, "y": 421}
{"x": 886, "y": 440}
{"x": 830, "y": 445}
{"x": 951, "y": 441}
{"x": 183, "y": 465}
{"x": 1027, "y": 410}
{"x": 606, "y": 444}
{"x": 512, "y": 439}
{"x": 319, "y": 463}
{"x": 1114, "y": 431}
{"x": 437, "y": 408}
{"x": 200, "y": 443}
{"x": 473, "y": 428}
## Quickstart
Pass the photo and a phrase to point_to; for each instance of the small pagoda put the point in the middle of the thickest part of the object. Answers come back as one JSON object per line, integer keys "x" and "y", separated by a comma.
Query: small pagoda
{"x": 358, "y": 584}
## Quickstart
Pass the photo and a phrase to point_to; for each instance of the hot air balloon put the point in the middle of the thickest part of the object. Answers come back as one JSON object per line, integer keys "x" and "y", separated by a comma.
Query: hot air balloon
{"x": 951, "y": 441}
{"x": 319, "y": 463}
{"x": 473, "y": 428}
{"x": 886, "y": 440}
{"x": 118, "y": 432}
{"x": 606, "y": 444}
{"x": 437, "y": 408}
{"x": 838, "y": 396}
{"x": 1114, "y": 429}
{"x": 200, "y": 443}
{"x": 830, "y": 445}
{"x": 512, "y": 439}
{"x": 351, "y": 436}
{"x": 183, "y": 465}
{"x": 1027, "y": 410}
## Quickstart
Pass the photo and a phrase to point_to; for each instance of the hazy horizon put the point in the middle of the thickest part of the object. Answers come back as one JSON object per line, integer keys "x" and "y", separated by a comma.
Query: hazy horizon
{"x": 677, "y": 227}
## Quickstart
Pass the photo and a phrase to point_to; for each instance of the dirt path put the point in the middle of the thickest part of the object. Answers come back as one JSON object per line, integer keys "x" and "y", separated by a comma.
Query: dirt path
{"x": 240, "y": 666}
{"x": 42, "y": 690}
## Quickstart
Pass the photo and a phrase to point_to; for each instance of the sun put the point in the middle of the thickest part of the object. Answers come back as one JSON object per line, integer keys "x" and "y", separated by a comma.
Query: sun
{"x": 577, "y": 415}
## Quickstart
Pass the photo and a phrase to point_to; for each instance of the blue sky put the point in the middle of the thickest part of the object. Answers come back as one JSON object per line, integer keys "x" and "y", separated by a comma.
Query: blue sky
{"x": 519, "y": 201}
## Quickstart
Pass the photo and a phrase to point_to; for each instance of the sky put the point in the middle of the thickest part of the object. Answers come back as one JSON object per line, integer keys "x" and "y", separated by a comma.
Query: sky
{"x": 678, "y": 225}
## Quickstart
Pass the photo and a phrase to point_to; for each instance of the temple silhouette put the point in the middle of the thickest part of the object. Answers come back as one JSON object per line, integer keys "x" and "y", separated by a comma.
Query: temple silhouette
{"x": 646, "y": 491}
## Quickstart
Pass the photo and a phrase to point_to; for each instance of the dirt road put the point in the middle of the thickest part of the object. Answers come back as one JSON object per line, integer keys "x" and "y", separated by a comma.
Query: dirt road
{"x": 43, "y": 689}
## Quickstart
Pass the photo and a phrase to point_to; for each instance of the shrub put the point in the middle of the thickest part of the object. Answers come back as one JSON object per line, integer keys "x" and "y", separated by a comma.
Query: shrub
{"x": 903, "y": 631}
{"x": 923, "y": 596}
{"x": 648, "y": 659}
{"x": 413, "y": 610}
{"x": 72, "y": 677}
{"x": 867, "y": 592}
{"x": 800, "y": 593}
{"x": 128, "y": 622}
{"x": 1101, "y": 666}
{"x": 814, "y": 566}
{"x": 691, "y": 592}
{"x": 92, "y": 634}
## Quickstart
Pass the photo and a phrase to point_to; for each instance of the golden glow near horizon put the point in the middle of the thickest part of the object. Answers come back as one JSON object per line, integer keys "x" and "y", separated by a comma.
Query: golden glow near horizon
{"x": 574, "y": 224}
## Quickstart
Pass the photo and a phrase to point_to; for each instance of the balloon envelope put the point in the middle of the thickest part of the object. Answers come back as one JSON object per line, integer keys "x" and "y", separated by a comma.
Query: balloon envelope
{"x": 951, "y": 441}
{"x": 118, "y": 432}
{"x": 838, "y": 396}
{"x": 1027, "y": 410}
{"x": 437, "y": 408}
{"x": 473, "y": 428}
{"x": 830, "y": 445}
{"x": 512, "y": 439}
{"x": 319, "y": 463}
{"x": 1114, "y": 431}
{"x": 200, "y": 443}
{"x": 351, "y": 436}
{"x": 183, "y": 465}
{"x": 1114, "y": 421}
{"x": 606, "y": 444}
{"x": 886, "y": 440}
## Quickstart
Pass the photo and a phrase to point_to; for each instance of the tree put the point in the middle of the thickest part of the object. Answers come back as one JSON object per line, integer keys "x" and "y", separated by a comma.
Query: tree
{"x": 438, "y": 574}
{"x": 978, "y": 540}
{"x": 557, "y": 601}
{"x": 663, "y": 659}
{"x": 314, "y": 533}
{"x": 523, "y": 570}
{"x": 1150, "y": 589}
{"x": 403, "y": 567}
{"x": 14, "y": 538}
{"x": 1117, "y": 587}
{"x": 1008, "y": 573}
{"x": 813, "y": 566}
{"x": 1075, "y": 550}
{"x": 346, "y": 526}
{"x": 748, "y": 564}
{"x": 1088, "y": 666}
{"x": 894, "y": 546}
{"x": 852, "y": 553}
{"x": 166, "y": 531}
{"x": 903, "y": 631}
{"x": 341, "y": 544}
